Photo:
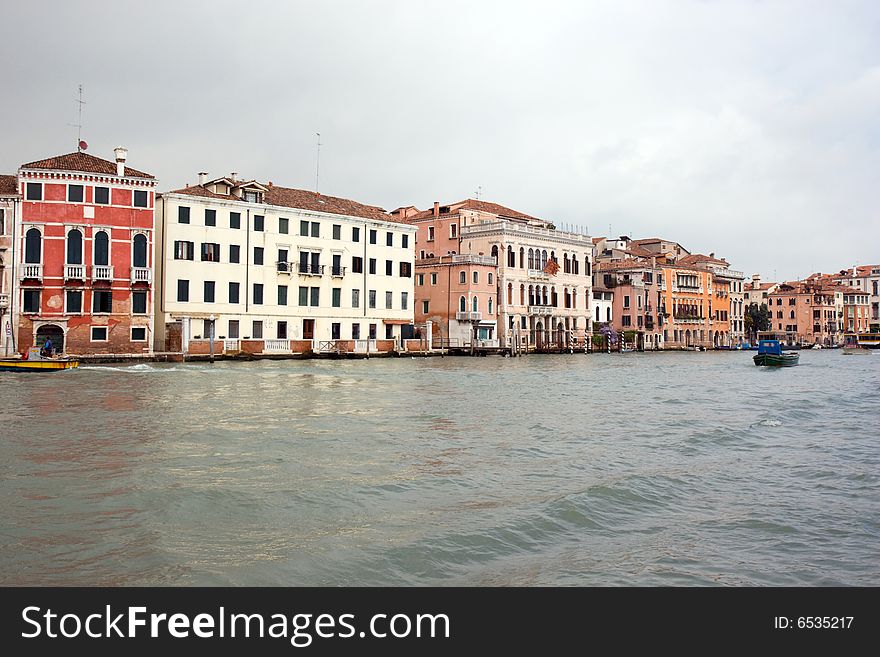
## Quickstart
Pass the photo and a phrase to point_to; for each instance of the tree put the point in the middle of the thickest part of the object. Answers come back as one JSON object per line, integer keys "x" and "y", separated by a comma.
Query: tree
{"x": 757, "y": 318}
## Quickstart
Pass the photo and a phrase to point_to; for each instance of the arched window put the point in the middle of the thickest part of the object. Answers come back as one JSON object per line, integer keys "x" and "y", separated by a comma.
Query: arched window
{"x": 462, "y": 305}
{"x": 522, "y": 294}
{"x": 553, "y": 256}
{"x": 531, "y": 296}
{"x": 511, "y": 257}
{"x": 522, "y": 258}
{"x": 33, "y": 240}
{"x": 531, "y": 259}
{"x": 476, "y": 277}
{"x": 597, "y": 313}
{"x": 608, "y": 314}
{"x": 495, "y": 252}
{"x": 791, "y": 314}
{"x": 490, "y": 305}
{"x": 543, "y": 258}
{"x": 565, "y": 265}
{"x": 490, "y": 277}
{"x": 102, "y": 248}
{"x": 545, "y": 297}
{"x": 74, "y": 247}
{"x": 462, "y": 277}
{"x": 510, "y": 294}
{"x": 140, "y": 250}
{"x": 476, "y": 304}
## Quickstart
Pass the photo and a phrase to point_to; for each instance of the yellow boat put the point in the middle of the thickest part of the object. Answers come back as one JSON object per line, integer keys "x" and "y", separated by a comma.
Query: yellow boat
{"x": 36, "y": 362}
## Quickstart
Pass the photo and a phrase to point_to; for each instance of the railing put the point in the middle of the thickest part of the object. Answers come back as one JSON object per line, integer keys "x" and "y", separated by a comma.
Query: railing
{"x": 231, "y": 345}
{"x": 311, "y": 270}
{"x": 276, "y": 346}
{"x": 283, "y": 267}
{"x": 337, "y": 272}
{"x": 74, "y": 272}
{"x": 32, "y": 271}
{"x": 102, "y": 272}
{"x": 540, "y": 310}
{"x": 468, "y": 316}
{"x": 486, "y": 343}
{"x": 141, "y": 275}
{"x": 510, "y": 227}
{"x": 466, "y": 258}
{"x": 4, "y": 301}
{"x": 328, "y": 347}
{"x": 362, "y": 346}
{"x": 539, "y": 273}
{"x": 689, "y": 319}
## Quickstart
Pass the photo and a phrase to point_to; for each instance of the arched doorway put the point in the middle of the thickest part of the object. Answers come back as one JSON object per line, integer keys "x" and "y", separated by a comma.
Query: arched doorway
{"x": 560, "y": 335}
{"x": 53, "y": 332}
{"x": 539, "y": 335}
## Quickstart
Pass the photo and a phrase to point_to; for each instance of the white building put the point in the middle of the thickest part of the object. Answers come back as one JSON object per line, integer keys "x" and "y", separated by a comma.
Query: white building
{"x": 264, "y": 262}
{"x": 9, "y": 203}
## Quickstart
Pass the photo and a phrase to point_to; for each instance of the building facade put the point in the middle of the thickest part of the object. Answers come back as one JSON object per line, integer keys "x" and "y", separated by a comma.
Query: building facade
{"x": 297, "y": 270}
{"x": 636, "y": 300}
{"x": 9, "y": 208}
{"x": 84, "y": 255}
{"x": 807, "y": 312}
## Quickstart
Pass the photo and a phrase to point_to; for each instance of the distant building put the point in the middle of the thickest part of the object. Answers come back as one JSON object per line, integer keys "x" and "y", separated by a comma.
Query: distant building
{"x": 807, "y": 312}
{"x": 9, "y": 207}
{"x": 635, "y": 299}
{"x": 866, "y": 279}
{"x": 84, "y": 254}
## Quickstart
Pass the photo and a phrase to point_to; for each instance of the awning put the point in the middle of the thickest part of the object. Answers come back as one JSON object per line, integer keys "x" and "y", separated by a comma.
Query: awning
{"x": 401, "y": 322}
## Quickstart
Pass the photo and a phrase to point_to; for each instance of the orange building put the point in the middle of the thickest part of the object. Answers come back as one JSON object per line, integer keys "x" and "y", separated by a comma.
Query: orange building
{"x": 807, "y": 312}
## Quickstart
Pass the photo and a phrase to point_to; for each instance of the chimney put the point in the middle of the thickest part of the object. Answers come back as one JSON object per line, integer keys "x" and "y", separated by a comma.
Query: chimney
{"x": 436, "y": 208}
{"x": 756, "y": 281}
{"x": 203, "y": 177}
{"x": 121, "y": 153}
{"x": 712, "y": 255}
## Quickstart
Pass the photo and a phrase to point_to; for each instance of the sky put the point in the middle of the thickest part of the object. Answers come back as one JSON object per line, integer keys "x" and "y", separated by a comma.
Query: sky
{"x": 747, "y": 129}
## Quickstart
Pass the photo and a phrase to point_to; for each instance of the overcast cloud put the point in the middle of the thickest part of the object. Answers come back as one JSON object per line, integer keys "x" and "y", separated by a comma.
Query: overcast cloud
{"x": 745, "y": 128}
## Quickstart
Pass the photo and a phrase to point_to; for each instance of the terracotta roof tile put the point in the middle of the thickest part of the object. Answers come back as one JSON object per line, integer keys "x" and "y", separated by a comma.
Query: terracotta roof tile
{"x": 482, "y": 206}
{"x": 698, "y": 258}
{"x": 8, "y": 185}
{"x": 84, "y": 162}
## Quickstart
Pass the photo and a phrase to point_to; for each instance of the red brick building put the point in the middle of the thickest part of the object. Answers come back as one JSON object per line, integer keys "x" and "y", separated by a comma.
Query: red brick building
{"x": 85, "y": 255}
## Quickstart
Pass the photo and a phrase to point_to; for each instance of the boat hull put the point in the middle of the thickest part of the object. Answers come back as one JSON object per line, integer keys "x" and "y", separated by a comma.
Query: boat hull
{"x": 774, "y": 360}
{"x": 856, "y": 351}
{"x": 37, "y": 365}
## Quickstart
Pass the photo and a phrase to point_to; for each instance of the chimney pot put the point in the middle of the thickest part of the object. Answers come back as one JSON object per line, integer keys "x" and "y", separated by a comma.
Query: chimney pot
{"x": 121, "y": 154}
{"x": 203, "y": 177}
{"x": 436, "y": 208}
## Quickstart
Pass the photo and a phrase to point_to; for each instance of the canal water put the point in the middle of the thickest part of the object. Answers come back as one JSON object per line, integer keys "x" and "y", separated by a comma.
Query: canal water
{"x": 621, "y": 469}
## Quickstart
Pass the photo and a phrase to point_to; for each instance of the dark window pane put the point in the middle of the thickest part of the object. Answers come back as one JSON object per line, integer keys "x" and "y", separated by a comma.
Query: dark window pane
{"x": 74, "y": 247}
{"x": 140, "y": 198}
{"x": 102, "y": 248}
{"x": 259, "y": 222}
{"x": 75, "y": 193}
{"x": 183, "y": 215}
{"x": 182, "y": 290}
{"x": 33, "y": 240}
{"x": 210, "y": 217}
{"x": 258, "y": 293}
{"x": 234, "y": 253}
{"x": 74, "y": 301}
{"x": 209, "y": 291}
{"x": 235, "y": 219}
{"x": 102, "y": 195}
{"x": 233, "y": 292}
{"x": 139, "y": 303}
{"x": 140, "y": 250}
{"x": 34, "y": 192}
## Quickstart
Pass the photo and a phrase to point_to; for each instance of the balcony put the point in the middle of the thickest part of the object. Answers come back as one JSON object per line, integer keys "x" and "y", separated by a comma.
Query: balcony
{"x": 467, "y": 259}
{"x": 4, "y": 301}
{"x": 540, "y": 310}
{"x": 31, "y": 272}
{"x": 539, "y": 274}
{"x": 337, "y": 272}
{"x": 141, "y": 275}
{"x": 276, "y": 346}
{"x": 284, "y": 267}
{"x": 74, "y": 272}
{"x": 310, "y": 270}
{"x": 468, "y": 316}
{"x": 102, "y": 272}
{"x": 689, "y": 319}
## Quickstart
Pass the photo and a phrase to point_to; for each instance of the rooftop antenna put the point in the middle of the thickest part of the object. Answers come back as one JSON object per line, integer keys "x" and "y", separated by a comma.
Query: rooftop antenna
{"x": 479, "y": 191}
{"x": 317, "y": 162}
{"x": 80, "y": 144}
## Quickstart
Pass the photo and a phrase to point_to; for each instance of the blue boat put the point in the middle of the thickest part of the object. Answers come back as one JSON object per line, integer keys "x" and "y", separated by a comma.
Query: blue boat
{"x": 770, "y": 353}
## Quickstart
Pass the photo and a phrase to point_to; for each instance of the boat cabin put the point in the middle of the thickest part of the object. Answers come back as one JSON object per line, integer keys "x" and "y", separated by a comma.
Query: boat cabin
{"x": 772, "y": 347}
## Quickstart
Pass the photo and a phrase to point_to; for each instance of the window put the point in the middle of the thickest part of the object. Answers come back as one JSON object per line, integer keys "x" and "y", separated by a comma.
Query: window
{"x": 336, "y": 299}
{"x": 372, "y": 265}
{"x": 406, "y": 270}
{"x": 139, "y": 303}
{"x": 281, "y": 331}
{"x": 462, "y": 304}
{"x": 232, "y": 331}
{"x": 304, "y": 228}
{"x": 210, "y": 252}
{"x": 234, "y": 289}
{"x": 389, "y": 331}
{"x": 31, "y": 301}
{"x": 282, "y": 264}
{"x": 102, "y": 301}
{"x": 209, "y": 292}
{"x": 355, "y": 331}
{"x": 430, "y": 233}
{"x": 33, "y": 192}
{"x": 337, "y": 232}
{"x": 355, "y": 234}
{"x": 140, "y": 198}
{"x": 258, "y": 293}
{"x": 373, "y": 236}
{"x": 462, "y": 277}
{"x": 357, "y": 265}
{"x": 389, "y": 267}
{"x": 335, "y": 330}
{"x": 257, "y": 330}
{"x": 389, "y": 239}
{"x": 404, "y": 301}
{"x": 73, "y": 301}
{"x": 234, "y": 253}
{"x": 420, "y": 279}
{"x": 182, "y": 250}
{"x": 258, "y": 255}
{"x": 138, "y": 334}
{"x": 283, "y": 225}
{"x": 490, "y": 278}
{"x": 434, "y": 279}
{"x": 99, "y": 334}
{"x": 139, "y": 251}
{"x": 282, "y": 295}
{"x": 626, "y": 301}
{"x": 490, "y": 305}
{"x": 259, "y": 222}
{"x": 183, "y": 215}
{"x": 389, "y": 300}
{"x": 475, "y": 305}
{"x": 102, "y": 195}
{"x": 425, "y": 305}
{"x": 476, "y": 277}
{"x": 404, "y": 241}
{"x": 303, "y": 296}
{"x": 372, "y": 299}
{"x": 235, "y": 219}
{"x": 74, "y": 247}
{"x": 74, "y": 193}
{"x": 453, "y": 230}
{"x": 315, "y": 296}
{"x": 210, "y": 217}
{"x": 626, "y": 320}
{"x": 372, "y": 333}
{"x": 355, "y": 298}
{"x": 316, "y": 229}
{"x": 182, "y": 290}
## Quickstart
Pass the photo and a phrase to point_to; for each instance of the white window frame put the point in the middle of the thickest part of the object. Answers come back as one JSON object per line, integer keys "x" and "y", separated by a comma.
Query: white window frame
{"x": 131, "y": 333}
{"x": 92, "y": 333}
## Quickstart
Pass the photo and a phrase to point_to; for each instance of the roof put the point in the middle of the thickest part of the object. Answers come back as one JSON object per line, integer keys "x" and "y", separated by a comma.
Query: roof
{"x": 480, "y": 206}
{"x": 303, "y": 200}
{"x": 622, "y": 264}
{"x": 8, "y": 185}
{"x": 79, "y": 161}
{"x": 698, "y": 258}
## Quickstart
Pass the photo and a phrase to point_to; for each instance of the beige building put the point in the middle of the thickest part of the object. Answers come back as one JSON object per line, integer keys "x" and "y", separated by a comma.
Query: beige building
{"x": 295, "y": 269}
{"x": 9, "y": 204}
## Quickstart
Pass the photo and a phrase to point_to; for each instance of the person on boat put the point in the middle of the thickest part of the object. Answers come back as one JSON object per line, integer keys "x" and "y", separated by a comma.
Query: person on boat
{"x": 47, "y": 348}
